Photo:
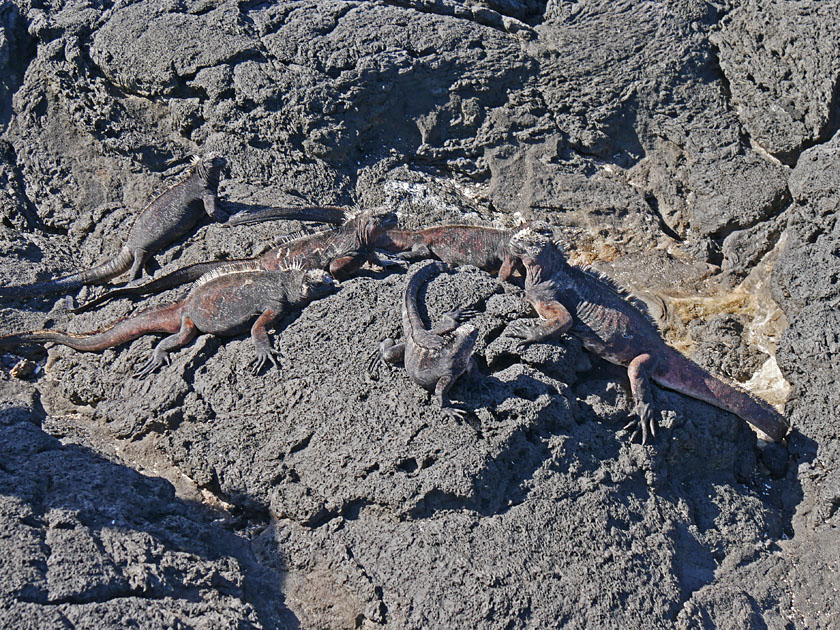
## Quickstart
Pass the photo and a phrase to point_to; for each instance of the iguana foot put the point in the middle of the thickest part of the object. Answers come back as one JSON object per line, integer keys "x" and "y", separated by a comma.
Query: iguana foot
{"x": 263, "y": 357}
{"x": 462, "y": 314}
{"x": 453, "y": 412}
{"x": 523, "y": 331}
{"x": 643, "y": 423}
{"x": 134, "y": 283}
{"x": 385, "y": 261}
{"x": 155, "y": 361}
{"x": 374, "y": 364}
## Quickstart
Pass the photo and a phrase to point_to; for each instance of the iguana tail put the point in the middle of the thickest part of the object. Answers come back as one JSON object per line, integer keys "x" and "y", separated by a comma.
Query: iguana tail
{"x": 321, "y": 214}
{"x": 685, "y": 376}
{"x": 159, "y": 285}
{"x": 411, "y": 317}
{"x": 162, "y": 320}
{"x": 111, "y": 268}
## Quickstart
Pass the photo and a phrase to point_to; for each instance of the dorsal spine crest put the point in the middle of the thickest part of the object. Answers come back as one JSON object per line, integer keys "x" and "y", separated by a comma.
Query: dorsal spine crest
{"x": 244, "y": 266}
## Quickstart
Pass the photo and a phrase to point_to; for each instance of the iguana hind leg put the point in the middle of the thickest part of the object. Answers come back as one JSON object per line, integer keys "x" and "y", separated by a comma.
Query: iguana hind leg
{"x": 259, "y": 335}
{"x": 639, "y": 372}
{"x": 391, "y": 351}
{"x": 139, "y": 257}
{"x": 187, "y": 333}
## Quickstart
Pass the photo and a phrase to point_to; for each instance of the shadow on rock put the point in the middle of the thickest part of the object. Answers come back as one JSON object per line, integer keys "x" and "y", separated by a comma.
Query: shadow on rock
{"x": 96, "y": 539}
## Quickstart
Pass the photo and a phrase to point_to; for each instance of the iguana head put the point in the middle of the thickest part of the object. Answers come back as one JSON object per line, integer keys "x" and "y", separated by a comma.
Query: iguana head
{"x": 315, "y": 283}
{"x": 209, "y": 164}
{"x": 530, "y": 241}
{"x": 371, "y": 223}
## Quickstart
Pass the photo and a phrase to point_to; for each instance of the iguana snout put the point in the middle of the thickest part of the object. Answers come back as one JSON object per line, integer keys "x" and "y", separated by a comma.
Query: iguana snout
{"x": 214, "y": 160}
{"x": 317, "y": 283}
{"x": 371, "y": 223}
{"x": 528, "y": 242}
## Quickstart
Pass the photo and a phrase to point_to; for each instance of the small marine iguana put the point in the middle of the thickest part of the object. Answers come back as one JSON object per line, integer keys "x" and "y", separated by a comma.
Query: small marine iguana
{"x": 168, "y": 217}
{"x": 341, "y": 251}
{"x": 434, "y": 358}
{"x": 484, "y": 247}
{"x": 223, "y": 302}
{"x": 611, "y": 325}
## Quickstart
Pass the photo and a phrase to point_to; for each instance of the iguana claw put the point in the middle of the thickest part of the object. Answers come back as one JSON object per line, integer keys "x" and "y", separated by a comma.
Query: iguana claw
{"x": 463, "y": 314}
{"x": 262, "y": 358}
{"x": 453, "y": 412}
{"x": 374, "y": 364}
{"x": 643, "y": 423}
{"x": 152, "y": 364}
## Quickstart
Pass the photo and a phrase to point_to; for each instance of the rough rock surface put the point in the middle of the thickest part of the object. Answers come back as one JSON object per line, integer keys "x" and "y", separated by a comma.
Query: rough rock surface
{"x": 689, "y": 149}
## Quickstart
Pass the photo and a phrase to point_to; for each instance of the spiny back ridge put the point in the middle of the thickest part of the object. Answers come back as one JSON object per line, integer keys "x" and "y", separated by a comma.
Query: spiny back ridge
{"x": 621, "y": 292}
{"x": 242, "y": 266}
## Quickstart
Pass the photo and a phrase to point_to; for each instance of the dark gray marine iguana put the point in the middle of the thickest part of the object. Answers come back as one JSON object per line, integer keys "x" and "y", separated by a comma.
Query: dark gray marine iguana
{"x": 168, "y": 217}
{"x": 226, "y": 301}
{"x": 611, "y": 325}
{"x": 340, "y": 250}
{"x": 434, "y": 358}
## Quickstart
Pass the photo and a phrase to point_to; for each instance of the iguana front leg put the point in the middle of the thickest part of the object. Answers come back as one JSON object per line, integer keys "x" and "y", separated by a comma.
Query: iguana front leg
{"x": 211, "y": 208}
{"x": 344, "y": 266}
{"x": 451, "y": 320}
{"x": 446, "y": 406}
{"x": 418, "y": 251}
{"x": 387, "y": 259}
{"x": 555, "y": 319}
{"x": 506, "y": 270}
{"x": 639, "y": 372}
{"x": 375, "y": 259}
{"x": 259, "y": 335}
{"x": 388, "y": 351}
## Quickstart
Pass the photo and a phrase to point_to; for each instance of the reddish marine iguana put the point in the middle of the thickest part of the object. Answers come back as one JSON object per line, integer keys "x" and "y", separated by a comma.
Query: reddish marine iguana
{"x": 223, "y": 302}
{"x": 480, "y": 246}
{"x": 434, "y": 358}
{"x": 164, "y": 220}
{"x": 341, "y": 251}
{"x": 484, "y": 247}
{"x": 610, "y": 325}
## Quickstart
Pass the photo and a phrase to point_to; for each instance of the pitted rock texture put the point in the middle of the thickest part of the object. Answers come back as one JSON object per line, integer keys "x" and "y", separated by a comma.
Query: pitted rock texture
{"x": 688, "y": 149}
{"x": 782, "y": 61}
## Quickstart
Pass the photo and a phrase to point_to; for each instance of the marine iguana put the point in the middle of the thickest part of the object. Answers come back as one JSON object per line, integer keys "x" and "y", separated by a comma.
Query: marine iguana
{"x": 168, "y": 217}
{"x": 434, "y": 358}
{"x": 223, "y": 302}
{"x": 341, "y": 251}
{"x": 611, "y": 325}
{"x": 484, "y": 247}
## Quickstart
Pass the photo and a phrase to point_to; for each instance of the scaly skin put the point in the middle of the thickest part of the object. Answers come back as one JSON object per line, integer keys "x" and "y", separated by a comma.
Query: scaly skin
{"x": 224, "y": 302}
{"x": 569, "y": 299}
{"x": 484, "y": 247}
{"x": 323, "y": 214}
{"x": 341, "y": 251}
{"x": 434, "y": 358}
{"x": 167, "y": 218}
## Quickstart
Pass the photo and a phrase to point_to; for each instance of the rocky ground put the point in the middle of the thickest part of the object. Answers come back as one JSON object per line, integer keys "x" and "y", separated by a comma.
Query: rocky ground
{"x": 688, "y": 149}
